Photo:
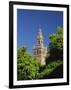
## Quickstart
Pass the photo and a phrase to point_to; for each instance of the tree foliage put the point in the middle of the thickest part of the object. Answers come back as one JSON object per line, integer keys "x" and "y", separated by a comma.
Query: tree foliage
{"x": 57, "y": 39}
{"x": 56, "y": 45}
{"x": 47, "y": 71}
{"x": 27, "y": 66}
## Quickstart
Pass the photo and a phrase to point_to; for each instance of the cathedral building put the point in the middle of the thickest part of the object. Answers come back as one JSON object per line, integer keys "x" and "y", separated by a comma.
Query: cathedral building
{"x": 40, "y": 51}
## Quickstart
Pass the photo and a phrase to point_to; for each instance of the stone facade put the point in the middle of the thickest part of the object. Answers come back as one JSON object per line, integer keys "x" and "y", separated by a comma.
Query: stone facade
{"x": 40, "y": 51}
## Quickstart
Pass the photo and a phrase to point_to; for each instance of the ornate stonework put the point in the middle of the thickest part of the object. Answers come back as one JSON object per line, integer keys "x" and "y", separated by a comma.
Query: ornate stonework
{"x": 40, "y": 51}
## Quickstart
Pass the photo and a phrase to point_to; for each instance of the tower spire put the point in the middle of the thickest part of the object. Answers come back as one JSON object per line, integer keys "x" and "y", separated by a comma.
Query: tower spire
{"x": 40, "y": 28}
{"x": 40, "y": 33}
{"x": 40, "y": 38}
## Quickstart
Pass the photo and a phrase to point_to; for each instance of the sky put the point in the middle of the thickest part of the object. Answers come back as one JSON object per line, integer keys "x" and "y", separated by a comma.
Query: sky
{"x": 28, "y": 22}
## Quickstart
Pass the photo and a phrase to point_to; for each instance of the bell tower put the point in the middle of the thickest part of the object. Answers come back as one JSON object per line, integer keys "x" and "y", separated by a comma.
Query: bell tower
{"x": 39, "y": 50}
